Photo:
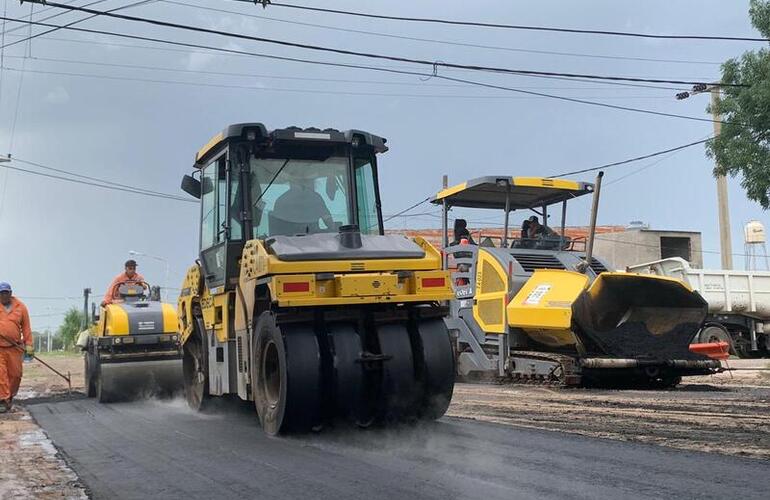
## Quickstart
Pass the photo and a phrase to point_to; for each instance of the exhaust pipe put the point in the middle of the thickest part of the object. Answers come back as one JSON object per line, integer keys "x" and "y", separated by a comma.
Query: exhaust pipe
{"x": 583, "y": 266}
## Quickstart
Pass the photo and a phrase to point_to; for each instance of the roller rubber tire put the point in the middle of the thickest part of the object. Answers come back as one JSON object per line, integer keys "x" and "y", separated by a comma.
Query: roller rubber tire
{"x": 402, "y": 395}
{"x": 286, "y": 376}
{"x": 348, "y": 375}
{"x": 195, "y": 369}
{"x": 438, "y": 362}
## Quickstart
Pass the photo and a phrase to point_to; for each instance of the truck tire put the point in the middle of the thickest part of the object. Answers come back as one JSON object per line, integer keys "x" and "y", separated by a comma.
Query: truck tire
{"x": 716, "y": 333}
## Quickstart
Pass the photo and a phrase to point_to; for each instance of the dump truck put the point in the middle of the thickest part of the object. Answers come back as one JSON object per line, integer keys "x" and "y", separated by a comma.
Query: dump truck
{"x": 738, "y": 304}
{"x": 539, "y": 307}
{"x": 131, "y": 348}
{"x": 299, "y": 302}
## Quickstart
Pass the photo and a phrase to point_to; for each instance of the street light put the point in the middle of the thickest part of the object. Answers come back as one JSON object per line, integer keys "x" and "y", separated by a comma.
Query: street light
{"x": 5, "y": 159}
{"x": 134, "y": 253}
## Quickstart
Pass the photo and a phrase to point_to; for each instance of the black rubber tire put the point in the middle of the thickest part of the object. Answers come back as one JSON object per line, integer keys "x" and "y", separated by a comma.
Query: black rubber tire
{"x": 195, "y": 375}
{"x": 743, "y": 350}
{"x": 90, "y": 383}
{"x": 438, "y": 368}
{"x": 349, "y": 382}
{"x": 715, "y": 333}
{"x": 286, "y": 376}
{"x": 402, "y": 395}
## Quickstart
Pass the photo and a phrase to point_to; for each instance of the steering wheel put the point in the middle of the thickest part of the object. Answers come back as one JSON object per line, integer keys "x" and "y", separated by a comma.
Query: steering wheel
{"x": 144, "y": 284}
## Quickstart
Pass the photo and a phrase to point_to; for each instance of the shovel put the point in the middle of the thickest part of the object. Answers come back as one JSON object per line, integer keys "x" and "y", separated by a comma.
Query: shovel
{"x": 67, "y": 377}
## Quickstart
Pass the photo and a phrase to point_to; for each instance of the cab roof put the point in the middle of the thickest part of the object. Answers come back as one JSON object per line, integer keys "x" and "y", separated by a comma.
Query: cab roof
{"x": 258, "y": 132}
{"x": 525, "y": 192}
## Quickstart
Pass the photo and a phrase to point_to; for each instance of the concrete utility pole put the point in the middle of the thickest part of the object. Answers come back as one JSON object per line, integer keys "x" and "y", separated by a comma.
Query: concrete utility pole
{"x": 725, "y": 239}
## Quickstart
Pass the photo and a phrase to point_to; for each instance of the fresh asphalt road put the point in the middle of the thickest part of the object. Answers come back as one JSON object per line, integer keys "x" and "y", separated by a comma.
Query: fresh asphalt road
{"x": 155, "y": 449}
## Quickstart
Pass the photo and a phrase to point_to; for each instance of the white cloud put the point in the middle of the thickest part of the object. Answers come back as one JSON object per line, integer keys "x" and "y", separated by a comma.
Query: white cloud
{"x": 57, "y": 95}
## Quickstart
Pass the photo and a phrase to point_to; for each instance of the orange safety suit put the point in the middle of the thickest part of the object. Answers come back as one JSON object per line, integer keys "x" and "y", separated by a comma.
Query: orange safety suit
{"x": 14, "y": 329}
{"x": 109, "y": 297}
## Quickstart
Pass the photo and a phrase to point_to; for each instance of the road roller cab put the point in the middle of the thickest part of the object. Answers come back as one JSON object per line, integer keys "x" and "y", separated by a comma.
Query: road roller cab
{"x": 537, "y": 305}
{"x": 299, "y": 301}
{"x": 133, "y": 346}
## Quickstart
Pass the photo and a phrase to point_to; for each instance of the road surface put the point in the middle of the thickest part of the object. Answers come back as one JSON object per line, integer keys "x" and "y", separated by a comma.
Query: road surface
{"x": 154, "y": 449}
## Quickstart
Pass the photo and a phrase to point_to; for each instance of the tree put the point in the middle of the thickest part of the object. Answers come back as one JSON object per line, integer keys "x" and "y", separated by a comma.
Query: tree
{"x": 743, "y": 147}
{"x": 70, "y": 327}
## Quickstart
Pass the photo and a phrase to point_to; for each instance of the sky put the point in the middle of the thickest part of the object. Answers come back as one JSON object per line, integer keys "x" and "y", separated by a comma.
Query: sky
{"x": 105, "y": 107}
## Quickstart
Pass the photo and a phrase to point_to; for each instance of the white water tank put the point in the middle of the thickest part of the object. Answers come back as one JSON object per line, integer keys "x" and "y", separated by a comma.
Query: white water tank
{"x": 754, "y": 232}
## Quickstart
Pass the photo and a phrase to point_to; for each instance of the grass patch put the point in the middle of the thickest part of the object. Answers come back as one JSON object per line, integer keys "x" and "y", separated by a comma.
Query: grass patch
{"x": 59, "y": 354}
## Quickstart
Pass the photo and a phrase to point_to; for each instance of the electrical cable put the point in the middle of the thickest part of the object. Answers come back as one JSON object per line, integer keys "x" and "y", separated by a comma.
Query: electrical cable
{"x": 630, "y": 160}
{"x": 262, "y": 88}
{"x": 96, "y": 179}
{"x": 423, "y": 62}
{"x": 386, "y": 70}
{"x": 94, "y": 184}
{"x": 442, "y": 42}
{"x": 77, "y": 21}
{"x": 512, "y": 26}
{"x": 277, "y": 77}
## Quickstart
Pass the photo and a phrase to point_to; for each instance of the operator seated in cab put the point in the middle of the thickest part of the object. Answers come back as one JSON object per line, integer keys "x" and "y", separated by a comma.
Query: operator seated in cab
{"x": 300, "y": 208}
{"x": 539, "y": 236}
{"x": 127, "y": 277}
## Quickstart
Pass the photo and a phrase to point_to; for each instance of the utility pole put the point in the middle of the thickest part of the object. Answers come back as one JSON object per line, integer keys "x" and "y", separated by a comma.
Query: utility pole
{"x": 84, "y": 323}
{"x": 725, "y": 239}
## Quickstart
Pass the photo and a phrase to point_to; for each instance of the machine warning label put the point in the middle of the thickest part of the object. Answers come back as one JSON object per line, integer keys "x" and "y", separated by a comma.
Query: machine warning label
{"x": 536, "y": 295}
{"x": 146, "y": 325}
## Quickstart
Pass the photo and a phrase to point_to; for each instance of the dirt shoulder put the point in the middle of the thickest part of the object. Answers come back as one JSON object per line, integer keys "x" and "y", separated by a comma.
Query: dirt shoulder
{"x": 721, "y": 413}
{"x": 30, "y": 466}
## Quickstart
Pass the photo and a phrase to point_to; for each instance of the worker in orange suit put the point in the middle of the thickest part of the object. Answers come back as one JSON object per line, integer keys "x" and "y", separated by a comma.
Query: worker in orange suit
{"x": 128, "y": 276}
{"x": 15, "y": 331}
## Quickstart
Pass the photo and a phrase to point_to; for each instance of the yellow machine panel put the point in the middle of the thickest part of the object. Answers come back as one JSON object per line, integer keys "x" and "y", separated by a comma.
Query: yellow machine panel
{"x": 545, "y": 301}
{"x": 491, "y": 293}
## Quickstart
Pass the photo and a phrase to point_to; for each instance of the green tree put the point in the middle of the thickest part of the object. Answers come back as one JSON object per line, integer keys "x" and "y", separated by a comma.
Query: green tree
{"x": 70, "y": 327}
{"x": 743, "y": 147}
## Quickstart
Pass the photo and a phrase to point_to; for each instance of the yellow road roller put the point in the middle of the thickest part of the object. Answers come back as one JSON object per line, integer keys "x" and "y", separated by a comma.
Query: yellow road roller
{"x": 131, "y": 348}
{"x": 299, "y": 301}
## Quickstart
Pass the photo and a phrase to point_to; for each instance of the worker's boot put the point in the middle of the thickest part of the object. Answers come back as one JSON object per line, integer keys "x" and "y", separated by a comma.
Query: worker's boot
{"x": 5, "y": 406}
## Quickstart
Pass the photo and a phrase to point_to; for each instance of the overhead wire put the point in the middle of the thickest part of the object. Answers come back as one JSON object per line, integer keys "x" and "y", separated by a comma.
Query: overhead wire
{"x": 431, "y": 40}
{"x": 77, "y": 21}
{"x": 262, "y": 88}
{"x": 387, "y": 70}
{"x": 637, "y": 158}
{"x": 98, "y": 184}
{"x": 511, "y": 26}
{"x": 370, "y": 55}
{"x": 285, "y": 77}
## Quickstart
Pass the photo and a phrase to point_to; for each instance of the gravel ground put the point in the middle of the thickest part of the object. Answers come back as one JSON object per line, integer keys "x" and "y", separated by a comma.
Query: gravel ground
{"x": 725, "y": 413}
{"x": 30, "y": 466}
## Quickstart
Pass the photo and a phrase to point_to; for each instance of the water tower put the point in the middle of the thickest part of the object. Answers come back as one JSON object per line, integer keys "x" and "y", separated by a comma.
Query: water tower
{"x": 754, "y": 238}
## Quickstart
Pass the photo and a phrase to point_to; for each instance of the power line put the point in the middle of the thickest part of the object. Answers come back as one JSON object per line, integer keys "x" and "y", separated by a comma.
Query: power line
{"x": 96, "y": 179}
{"x": 442, "y": 42}
{"x": 514, "y": 26}
{"x": 36, "y": 35}
{"x": 94, "y": 184}
{"x": 243, "y": 54}
{"x": 370, "y": 55}
{"x": 58, "y": 14}
{"x": 282, "y": 77}
{"x": 406, "y": 210}
{"x": 393, "y": 71}
{"x": 630, "y": 160}
{"x": 293, "y": 90}
{"x": 381, "y": 69}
